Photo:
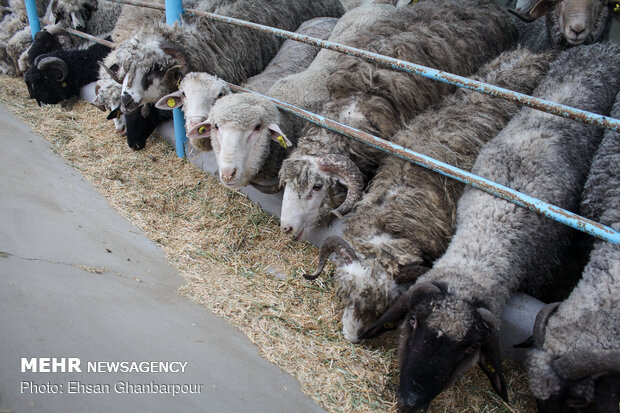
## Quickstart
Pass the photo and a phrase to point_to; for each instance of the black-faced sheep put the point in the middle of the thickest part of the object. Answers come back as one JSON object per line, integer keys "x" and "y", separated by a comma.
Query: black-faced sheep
{"x": 246, "y": 154}
{"x": 59, "y": 75}
{"x": 576, "y": 364}
{"x": 454, "y": 36}
{"x": 151, "y": 57}
{"x": 139, "y": 125}
{"x": 406, "y": 218}
{"x": 566, "y": 23}
{"x": 452, "y": 313}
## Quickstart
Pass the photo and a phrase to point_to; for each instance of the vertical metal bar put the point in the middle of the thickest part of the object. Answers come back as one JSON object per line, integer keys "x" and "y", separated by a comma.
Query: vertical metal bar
{"x": 33, "y": 17}
{"x": 174, "y": 11}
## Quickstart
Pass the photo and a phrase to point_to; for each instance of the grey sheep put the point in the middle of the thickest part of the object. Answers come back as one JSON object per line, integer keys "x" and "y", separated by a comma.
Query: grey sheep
{"x": 450, "y": 35}
{"x": 452, "y": 313}
{"x": 566, "y": 23}
{"x": 244, "y": 153}
{"x": 150, "y": 58}
{"x": 576, "y": 361}
{"x": 406, "y": 218}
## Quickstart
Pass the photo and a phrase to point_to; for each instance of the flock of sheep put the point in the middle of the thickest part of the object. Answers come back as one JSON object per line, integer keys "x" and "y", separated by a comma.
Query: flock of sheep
{"x": 418, "y": 250}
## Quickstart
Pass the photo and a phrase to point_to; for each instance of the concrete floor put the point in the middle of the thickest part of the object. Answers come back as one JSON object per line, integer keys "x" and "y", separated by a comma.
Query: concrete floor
{"x": 78, "y": 280}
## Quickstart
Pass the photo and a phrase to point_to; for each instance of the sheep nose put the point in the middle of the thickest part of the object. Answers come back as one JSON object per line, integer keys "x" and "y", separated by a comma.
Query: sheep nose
{"x": 228, "y": 175}
{"x": 126, "y": 99}
{"x": 577, "y": 29}
{"x": 286, "y": 230}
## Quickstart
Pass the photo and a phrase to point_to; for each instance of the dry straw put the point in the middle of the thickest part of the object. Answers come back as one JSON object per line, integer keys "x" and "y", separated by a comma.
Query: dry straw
{"x": 237, "y": 264}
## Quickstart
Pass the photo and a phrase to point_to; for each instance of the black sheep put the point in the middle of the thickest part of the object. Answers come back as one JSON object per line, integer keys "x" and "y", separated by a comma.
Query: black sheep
{"x": 59, "y": 75}
{"x": 139, "y": 127}
{"x": 44, "y": 42}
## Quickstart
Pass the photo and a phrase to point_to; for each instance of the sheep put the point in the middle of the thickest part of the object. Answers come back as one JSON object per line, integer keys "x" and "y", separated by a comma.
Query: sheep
{"x": 59, "y": 75}
{"x": 452, "y": 312}
{"x": 138, "y": 126}
{"x": 461, "y": 35}
{"x": 567, "y": 23}
{"x": 576, "y": 361}
{"x": 198, "y": 91}
{"x": 150, "y": 58}
{"x": 405, "y": 219}
{"x": 259, "y": 158}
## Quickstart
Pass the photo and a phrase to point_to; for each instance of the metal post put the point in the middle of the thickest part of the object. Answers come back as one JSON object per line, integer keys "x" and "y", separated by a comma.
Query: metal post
{"x": 33, "y": 17}
{"x": 174, "y": 11}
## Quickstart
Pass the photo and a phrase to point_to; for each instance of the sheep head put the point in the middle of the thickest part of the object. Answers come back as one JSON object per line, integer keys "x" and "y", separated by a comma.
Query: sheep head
{"x": 153, "y": 68}
{"x": 73, "y": 14}
{"x": 242, "y": 127}
{"x": 313, "y": 188}
{"x": 196, "y": 95}
{"x": 46, "y": 80}
{"x": 579, "y": 21}
{"x": 582, "y": 380}
{"x": 441, "y": 337}
{"x": 363, "y": 286}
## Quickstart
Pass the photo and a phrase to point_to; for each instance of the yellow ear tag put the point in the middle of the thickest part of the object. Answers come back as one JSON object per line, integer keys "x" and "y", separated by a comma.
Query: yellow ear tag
{"x": 281, "y": 141}
{"x": 202, "y": 130}
{"x": 617, "y": 10}
{"x": 490, "y": 368}
{"x": 171, "y": 103}
{"x": 63, "y": 84}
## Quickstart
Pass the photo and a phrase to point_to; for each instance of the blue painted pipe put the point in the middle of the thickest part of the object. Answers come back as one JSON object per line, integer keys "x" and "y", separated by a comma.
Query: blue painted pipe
{"x": 33, "y": 17}
{"x": 533, "y": 204}
{"x": 174, "y": 11}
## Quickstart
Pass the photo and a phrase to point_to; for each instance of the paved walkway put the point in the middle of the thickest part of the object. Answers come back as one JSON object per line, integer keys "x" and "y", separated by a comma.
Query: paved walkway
{"x": 77, "y": 280}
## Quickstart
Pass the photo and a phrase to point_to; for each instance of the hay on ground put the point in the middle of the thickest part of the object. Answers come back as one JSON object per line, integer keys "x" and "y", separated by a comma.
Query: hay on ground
{"x": 238, "y": 265}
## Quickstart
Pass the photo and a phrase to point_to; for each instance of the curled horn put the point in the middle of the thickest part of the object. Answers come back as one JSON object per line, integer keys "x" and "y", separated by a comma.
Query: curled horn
{"x": 331, "y": 245}
{"x": 578, "y": 364}
{"x": 111, "y": 73}
{"x": 47, "y": 63}
{"x": 540, "y": 324}
{"x": 348, "y": 174}
{"x": 268, "y": 189}
{"x": 523, "y": 15}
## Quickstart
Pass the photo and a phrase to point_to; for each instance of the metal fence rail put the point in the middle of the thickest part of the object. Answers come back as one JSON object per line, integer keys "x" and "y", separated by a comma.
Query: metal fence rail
{"x": 553, "y": 212}
{"x": 402, "y": 65}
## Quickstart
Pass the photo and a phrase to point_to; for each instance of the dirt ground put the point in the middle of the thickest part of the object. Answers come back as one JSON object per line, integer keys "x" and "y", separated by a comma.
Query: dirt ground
{"x": 237, "y": 264}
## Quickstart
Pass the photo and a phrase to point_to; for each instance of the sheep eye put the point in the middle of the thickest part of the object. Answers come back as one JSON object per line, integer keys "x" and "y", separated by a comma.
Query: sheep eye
{"x": 216, "y": 127}
{"x": 413, "y": 321}
{"x": 220, "y": 95}
{"x": 257, "y": 127}
{"x": 317, "y": 187}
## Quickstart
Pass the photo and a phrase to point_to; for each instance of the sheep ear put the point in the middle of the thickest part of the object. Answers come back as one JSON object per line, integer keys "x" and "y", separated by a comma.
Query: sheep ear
{"x": 490, "y": 358}
{"x": 408, "y": 274}
{"x": 542, "y": 8}
{"x": 172, "y": 101}
{"x": 114, "y": 114}
{"x": 390, "y": 319}
{"x": 172, "y": 78}
{"x": 202, "y": 130}
{"x": 278, "y": 136}
{"x": 615, "y": 9}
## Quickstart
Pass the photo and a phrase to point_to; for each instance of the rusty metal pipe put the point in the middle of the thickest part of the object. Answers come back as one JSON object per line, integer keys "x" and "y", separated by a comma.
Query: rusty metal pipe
{"x": 397, "y": 64}
{"x": 551, "y": 211}
{"x": 86, "y": 36}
